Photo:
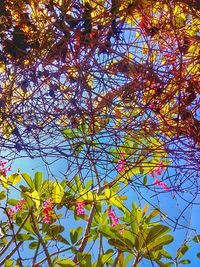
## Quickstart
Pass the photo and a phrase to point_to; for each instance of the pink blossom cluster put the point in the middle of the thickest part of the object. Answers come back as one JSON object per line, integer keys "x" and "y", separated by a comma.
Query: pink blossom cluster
{"x": 47, "y": 210}
{"x": 121, "y": 162}
{"x": 113, "y": 217}
{"x": 3, "y": 168}
{"x": 16, "y": 208}
{"x": 160, "y": 183}
{"x": 158, "y": 170}
{"x": 80, "y": 208}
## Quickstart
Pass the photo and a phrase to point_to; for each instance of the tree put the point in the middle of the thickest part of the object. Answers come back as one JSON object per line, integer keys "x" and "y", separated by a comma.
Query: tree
{"x": 111, "y": 87}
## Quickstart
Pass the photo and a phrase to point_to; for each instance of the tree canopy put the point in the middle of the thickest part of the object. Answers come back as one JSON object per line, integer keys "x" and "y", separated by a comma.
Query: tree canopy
{"x": 111, "y": 88}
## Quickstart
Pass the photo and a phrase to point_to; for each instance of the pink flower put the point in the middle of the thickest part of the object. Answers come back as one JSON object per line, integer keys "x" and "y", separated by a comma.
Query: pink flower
{"x": 16, "y": 208}
{"x": 46, "y": 219}
{"x": 151, "y": 174}
{"x": 47, "y": 210}
{"x": 80, "y": 208}
{"x": 3, "y": 169}
{"x": 121, "y": 162}
{"x": 114, "y": 218}
{"x": 11, "y": 212}
{"x": 161, "y": 184}
{"x": 158, "y": 170}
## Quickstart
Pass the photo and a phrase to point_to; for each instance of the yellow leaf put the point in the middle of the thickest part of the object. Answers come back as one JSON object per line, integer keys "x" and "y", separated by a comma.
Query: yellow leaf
{"x": 14, "y": 178}
{"x": 36, "y": 199}
{"x": 58, "y": 192}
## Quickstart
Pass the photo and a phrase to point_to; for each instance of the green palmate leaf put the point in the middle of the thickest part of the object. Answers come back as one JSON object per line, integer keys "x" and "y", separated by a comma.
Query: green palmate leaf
{"x": 28, "y": 180}
{"x": 38, "y": 180}
{"x": 57, "y": 193}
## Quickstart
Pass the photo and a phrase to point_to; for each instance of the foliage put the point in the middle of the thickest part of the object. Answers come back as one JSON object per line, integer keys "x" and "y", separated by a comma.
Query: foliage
{"x": 110, "y": 87}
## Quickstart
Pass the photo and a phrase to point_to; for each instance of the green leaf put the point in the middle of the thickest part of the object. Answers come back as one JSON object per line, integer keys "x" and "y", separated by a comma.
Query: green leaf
{"x": 27, "y": 196}
{"x": 28, "y": 180}
{"x": 12, "y": 202}
{"x": 58, "y": 192}
{"x": 156, "y": 232}
{"x": 38, "y": 180}
{"x": 23, "y": 237}
{"x": 2, "y": 195}
{"x": 198, "y": 255}
{"x": 54, "y": 230}
{"x": 65, "y": 263}
{"x": 62, "y": 240}
{"x": 84, "y": 259}
{"x": 197, "y": 239}
{"x": 33, "y": 245}
{"x": 28, "y": 227}
{"x": 9, "y": 263}
{"x": 68, "y": 133}
{"x": 185, "y": 262}
{"x": 128, "y": 259}
{"x": 106, "y": 231}
{"x": 107, "y": 256}
{"x": 75, "y": 234}
{"x": 182, "y": 250}
{"x": 145, "y": 180}
{"x": 120, "y": 245}
{"x": 88, "y": 184}
{"x": 78, "y": 183}
{"x": 159, "y": 243}
{"x": 165, "y": 254}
